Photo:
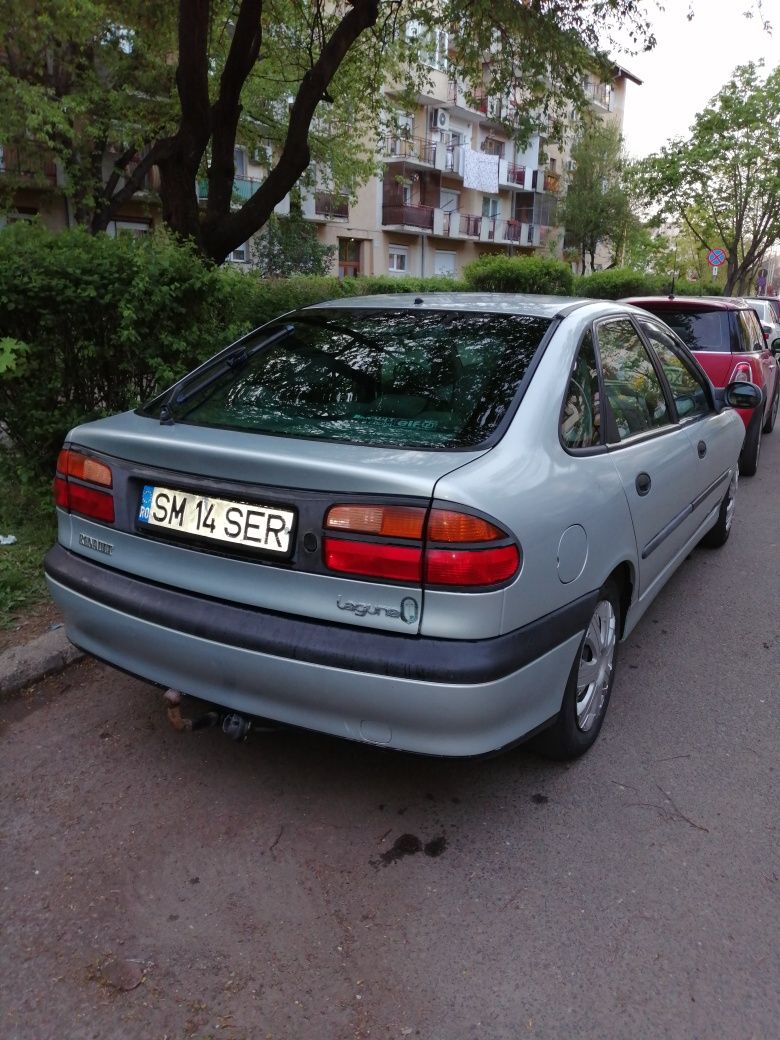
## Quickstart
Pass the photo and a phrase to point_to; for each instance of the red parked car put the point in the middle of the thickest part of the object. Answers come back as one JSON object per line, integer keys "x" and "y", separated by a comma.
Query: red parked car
{"x": 728, "y": 341}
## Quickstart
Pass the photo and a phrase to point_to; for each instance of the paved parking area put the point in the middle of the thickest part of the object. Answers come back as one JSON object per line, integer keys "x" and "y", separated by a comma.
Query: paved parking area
{"x": 163, "y": 885}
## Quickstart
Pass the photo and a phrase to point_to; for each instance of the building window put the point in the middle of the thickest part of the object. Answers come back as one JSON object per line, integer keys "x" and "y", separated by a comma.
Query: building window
{"x": 444, "y": 263}
{"x": 239, "y": 161}
{"x": 240, "y": 255}
{"x": 489, "y": 206}
{"x": 136, "y": 228}
{"x": 349, "y": 257}
{"x": 399, "y": 260}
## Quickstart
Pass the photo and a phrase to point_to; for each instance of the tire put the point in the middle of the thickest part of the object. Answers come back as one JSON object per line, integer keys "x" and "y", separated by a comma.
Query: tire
{"x": 719, "y": 534}
{"x": 585, "y": 703}
{"x": 751, "y": 449}
{"x": 769, "y": 425}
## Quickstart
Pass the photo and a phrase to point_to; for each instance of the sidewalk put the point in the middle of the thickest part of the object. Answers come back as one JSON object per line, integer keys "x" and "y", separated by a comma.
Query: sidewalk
{"x": 29, "y": 662}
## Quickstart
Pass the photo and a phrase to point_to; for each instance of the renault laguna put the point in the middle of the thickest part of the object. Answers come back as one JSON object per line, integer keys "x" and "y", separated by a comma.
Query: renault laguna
{"x": 420, "y": 522}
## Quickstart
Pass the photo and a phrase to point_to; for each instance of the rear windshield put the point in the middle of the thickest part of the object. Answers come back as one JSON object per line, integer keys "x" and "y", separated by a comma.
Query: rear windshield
{"x": 422, "y": 379}
{"x": 700, "y": 330}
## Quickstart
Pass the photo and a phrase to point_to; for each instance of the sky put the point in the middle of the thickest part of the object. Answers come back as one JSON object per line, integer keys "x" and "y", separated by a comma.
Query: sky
{"x": 690, "y": 63}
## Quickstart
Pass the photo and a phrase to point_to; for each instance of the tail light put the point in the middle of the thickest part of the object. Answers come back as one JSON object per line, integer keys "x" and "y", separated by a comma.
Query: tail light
{"x": 75, "y": 487}
{"x": 442, "y": 547}
{"x": 742, "y": 373}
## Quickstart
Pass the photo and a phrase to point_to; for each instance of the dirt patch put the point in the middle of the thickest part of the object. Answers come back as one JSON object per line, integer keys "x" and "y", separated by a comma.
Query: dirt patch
{"x": 30, "y": 624}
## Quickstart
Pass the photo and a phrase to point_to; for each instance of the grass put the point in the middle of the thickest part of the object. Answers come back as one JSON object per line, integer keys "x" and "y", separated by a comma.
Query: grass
{"x": 26, "y": 510}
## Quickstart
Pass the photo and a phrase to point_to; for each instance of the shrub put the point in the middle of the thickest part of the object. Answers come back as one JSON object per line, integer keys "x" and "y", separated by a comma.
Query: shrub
{"x": 91, "y": 325}
{"x": 618, "y": 282}
{"x": 521, "y": 274}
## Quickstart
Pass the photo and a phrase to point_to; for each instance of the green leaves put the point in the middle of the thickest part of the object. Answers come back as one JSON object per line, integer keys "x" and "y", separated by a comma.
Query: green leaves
{"x": 722, "y": 184}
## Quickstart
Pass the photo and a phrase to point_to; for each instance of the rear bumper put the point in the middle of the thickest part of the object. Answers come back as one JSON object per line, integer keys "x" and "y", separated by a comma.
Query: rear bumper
{"x": 434, "y": 696}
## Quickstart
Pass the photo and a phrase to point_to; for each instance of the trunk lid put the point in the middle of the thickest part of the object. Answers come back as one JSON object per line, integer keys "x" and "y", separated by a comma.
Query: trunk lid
{"x": 291, "y": 477}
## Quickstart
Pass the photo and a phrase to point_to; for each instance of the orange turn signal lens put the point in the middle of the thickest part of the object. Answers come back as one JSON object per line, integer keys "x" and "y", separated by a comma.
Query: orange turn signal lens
{"x": 84, "y": 467}
{"x": 445, "y": 525}
{"x": 388, "y": 521}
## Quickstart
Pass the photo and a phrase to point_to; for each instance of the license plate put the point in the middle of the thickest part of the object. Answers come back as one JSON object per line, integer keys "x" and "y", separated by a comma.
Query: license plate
{"x": 249, "y": 525}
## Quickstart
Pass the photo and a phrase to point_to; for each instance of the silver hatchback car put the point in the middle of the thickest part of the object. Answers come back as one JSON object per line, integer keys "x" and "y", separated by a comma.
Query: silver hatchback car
{"x": 420, "y": 522}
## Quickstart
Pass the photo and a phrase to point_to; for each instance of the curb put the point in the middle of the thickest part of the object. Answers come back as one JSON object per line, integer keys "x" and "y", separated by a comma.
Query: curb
{"x": 47, "y": 655}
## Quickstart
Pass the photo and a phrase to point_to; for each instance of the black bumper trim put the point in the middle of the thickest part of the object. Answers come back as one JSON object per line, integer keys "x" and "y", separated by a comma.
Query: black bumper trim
{"x": 420, "y": 658}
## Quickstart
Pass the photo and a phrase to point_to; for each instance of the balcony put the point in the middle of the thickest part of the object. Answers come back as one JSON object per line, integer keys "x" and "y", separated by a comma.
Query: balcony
{"x": 331, "y": 206}
{"x": 27, "y": 165}
{"x": 468, "y": 224}
{"x": 408, "y": 216}
{"x": 410, "y": 149}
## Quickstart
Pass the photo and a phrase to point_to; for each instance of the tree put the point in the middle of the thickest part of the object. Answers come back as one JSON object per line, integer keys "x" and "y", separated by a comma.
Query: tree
{"x": 722, "y": 184}
{"x": 174, "y": 87}
{"x": 596, "y": 209}
{"x": 289, "y": 246}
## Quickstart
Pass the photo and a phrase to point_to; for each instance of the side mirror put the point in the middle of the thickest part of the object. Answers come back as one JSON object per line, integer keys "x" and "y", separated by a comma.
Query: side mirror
{"x": 743, "y": 395}
{"x": 775, "y": 347}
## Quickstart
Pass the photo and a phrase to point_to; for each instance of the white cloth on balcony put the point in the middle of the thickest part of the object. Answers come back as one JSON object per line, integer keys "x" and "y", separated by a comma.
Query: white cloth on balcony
{"x": 480, "y": 171}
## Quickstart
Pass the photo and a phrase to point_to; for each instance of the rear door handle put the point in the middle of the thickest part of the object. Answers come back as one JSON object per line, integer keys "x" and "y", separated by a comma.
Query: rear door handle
{"x": 701, "y": 447}
{"x": 643, "y": 483}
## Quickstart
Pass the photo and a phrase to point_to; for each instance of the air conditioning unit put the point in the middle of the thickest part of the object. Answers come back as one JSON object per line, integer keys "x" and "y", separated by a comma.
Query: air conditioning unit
{"x": 440, "y": 119}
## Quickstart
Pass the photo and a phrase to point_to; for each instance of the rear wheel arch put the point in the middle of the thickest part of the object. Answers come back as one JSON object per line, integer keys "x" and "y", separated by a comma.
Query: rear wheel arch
{"x": 624, "y": 576}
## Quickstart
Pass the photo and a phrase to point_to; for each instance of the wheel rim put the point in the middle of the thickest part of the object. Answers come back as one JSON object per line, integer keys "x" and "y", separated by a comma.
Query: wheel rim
{"x": 731, "y": 501}
{"x": 595, "y": 668}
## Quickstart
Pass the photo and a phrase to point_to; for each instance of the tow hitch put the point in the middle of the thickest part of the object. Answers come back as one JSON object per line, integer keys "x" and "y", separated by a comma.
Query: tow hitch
{"x": 233, "y": 724}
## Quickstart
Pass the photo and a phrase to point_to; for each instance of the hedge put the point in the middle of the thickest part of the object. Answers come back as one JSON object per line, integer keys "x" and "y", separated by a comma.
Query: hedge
{"x": 618, "y": 282}
{"x": 91, "y": 325}
{"x": 520, "y": 274}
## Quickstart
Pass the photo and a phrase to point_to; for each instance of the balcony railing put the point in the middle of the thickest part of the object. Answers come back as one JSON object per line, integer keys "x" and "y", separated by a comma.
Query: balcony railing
{"x": 470, "y": 225}
{"x": 27, "y": 165}
{"x": 410, "y": 148}
{"x": 412, "y": 216}
{"x": 516, "y": 174}
{"x": 327, "y": 204}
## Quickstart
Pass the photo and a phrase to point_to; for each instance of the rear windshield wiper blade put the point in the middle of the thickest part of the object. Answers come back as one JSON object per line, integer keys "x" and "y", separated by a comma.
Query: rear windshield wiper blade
{"x": 232, "y": 357}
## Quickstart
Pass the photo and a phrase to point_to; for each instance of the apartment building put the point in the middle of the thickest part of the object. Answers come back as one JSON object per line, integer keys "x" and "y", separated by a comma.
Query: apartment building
{"x": 453, "y": 186}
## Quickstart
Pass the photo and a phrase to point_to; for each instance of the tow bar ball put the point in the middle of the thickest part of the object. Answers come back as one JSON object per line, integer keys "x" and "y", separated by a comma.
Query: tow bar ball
{"x": 233, "y": 725}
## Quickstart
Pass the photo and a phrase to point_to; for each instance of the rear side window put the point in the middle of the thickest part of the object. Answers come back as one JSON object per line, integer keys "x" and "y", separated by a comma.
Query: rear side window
{"x": 750, "y": 330}
{"x": 420, "y": 379}
{"x": 700, "y": 330}
{"x": 631, "y": 384}
{"x": 581, "y": 419}
{"x": 688, "y": 389}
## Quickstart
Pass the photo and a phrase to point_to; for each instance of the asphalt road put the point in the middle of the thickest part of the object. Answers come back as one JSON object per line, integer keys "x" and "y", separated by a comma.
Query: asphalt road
{"x": 164, "y": 885}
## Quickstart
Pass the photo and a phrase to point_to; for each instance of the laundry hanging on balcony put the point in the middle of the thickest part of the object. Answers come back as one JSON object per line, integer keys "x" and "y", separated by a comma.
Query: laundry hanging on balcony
{"x": 480, "y": 171}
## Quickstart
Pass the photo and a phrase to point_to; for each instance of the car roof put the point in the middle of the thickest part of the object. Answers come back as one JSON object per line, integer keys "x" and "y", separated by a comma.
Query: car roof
{"x": 698, "y": 303}
{"x": 495, "y": 303}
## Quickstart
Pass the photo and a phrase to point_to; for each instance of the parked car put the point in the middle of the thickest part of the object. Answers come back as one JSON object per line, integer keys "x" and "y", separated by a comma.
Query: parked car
{"x": 726, "y": 337}
{"x": 420, "y": 522}
{"x": 770, "y": 321}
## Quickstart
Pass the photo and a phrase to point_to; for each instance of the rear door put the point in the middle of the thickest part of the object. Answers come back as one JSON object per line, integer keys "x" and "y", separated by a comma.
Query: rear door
{"x": 651, "y": 450}
{"x": 710, "y": 433}
{"x": 762, "y": 360}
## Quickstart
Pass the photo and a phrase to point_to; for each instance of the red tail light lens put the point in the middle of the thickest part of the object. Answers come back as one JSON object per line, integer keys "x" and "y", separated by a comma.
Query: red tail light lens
{"x": 471, "y": 566}
{"x": 371, "y": 559}
{"x": 741, "y": 373}
{"x": 464, "y": 563}
{"x": 78, "y": 498}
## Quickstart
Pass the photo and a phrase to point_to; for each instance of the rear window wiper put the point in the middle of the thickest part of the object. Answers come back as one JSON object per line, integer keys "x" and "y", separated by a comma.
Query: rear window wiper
{"x": 231, "y": 358}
